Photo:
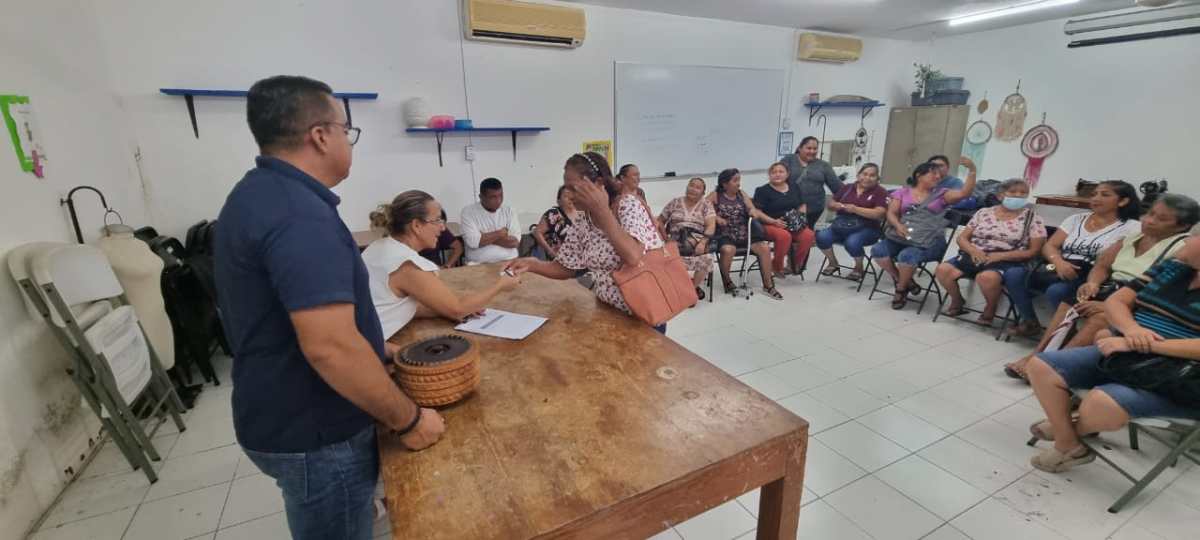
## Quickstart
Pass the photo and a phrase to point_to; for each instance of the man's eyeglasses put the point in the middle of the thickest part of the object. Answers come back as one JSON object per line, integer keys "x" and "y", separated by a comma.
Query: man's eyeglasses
{"x": 352, "y": 133}
{"x": 438, "y": 221}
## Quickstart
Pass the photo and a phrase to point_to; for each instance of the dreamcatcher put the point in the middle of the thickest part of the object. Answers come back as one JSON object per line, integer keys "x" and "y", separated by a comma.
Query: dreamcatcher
{"x": 860, "y": 145}
{"x": 975, "y": 145}
{"x": 1010, "y": 119}
{"x": 1039, "y": 143}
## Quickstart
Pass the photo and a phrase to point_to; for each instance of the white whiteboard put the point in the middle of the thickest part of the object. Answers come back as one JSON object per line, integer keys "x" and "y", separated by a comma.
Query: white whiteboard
{"x": 695, "y": 120}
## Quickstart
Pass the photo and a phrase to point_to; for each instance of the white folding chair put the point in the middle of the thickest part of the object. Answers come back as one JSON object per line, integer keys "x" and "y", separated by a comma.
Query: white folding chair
{"x": 85, "y": 302}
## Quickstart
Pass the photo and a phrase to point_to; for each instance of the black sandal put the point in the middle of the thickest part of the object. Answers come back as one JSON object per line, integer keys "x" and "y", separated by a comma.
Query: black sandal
{"x": 772, "y": 293}
{"x": 832, "y": 271}
{"x": 899, "y": 299}
{"x": 699, "y": 293}
{"x": 728, "y": 285}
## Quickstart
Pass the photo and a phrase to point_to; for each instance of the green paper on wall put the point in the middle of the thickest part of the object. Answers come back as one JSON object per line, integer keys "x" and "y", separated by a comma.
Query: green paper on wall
{"x": 22, "y": 129}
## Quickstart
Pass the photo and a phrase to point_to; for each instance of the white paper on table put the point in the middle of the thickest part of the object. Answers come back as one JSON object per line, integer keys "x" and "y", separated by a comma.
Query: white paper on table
{"x": 502, "y": 324}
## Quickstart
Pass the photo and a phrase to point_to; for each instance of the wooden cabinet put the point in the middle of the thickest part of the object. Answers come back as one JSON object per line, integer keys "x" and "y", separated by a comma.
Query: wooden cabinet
{"x": 916, "y": 133}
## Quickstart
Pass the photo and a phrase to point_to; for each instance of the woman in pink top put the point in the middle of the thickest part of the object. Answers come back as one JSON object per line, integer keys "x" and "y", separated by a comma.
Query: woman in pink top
{"x": 921, "y": 190}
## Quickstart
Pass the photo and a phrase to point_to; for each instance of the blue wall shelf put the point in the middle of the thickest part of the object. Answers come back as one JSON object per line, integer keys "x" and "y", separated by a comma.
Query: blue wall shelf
{"x": 815, "y": 107}
{"x": 440, "y": 134}
{"x": 189, "y": 95}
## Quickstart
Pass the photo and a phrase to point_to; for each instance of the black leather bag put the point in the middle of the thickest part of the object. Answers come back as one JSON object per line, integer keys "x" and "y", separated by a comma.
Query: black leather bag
{"x": 1177, "y": 379}
{"x": 846, "y": 224}
{"x": 689, "y": 239}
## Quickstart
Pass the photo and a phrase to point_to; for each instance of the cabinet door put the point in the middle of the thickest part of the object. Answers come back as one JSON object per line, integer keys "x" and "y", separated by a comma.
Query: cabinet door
{"x": 931, "y": 132}
{"x": 899, "y": 150}
{"x": 956, "y": 131}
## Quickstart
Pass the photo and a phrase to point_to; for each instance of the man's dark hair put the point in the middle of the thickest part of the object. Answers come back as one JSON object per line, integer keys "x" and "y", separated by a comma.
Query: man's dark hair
{"x": 945, "y": 160}
{"x": 279, "y": 109}
{"x": 490, "y": 184}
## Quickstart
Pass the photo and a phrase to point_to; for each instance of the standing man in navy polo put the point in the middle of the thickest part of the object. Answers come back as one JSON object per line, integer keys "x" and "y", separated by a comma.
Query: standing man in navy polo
{"x": 309, "y": 382}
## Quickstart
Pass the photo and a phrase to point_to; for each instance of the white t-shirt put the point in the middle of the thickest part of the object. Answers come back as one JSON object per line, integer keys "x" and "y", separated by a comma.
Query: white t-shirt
{"x": 383, "y": 257}
{"x": 476, "y": 221}
{"x": 1084, "y": 245}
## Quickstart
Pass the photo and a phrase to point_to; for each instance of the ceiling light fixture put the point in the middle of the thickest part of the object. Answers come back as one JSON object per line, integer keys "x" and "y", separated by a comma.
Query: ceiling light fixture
{"x": 1011, "y": 10}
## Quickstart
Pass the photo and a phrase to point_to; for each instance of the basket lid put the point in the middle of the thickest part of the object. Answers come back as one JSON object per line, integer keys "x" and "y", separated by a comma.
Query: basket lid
{"x": 434, "y": 351}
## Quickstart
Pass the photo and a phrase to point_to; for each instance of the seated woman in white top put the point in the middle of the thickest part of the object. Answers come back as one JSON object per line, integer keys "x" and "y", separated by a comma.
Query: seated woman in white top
{"x": 404, "y": 284}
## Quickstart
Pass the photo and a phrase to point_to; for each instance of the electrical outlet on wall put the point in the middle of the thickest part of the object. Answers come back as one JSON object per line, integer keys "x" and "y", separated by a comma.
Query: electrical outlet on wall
{"x": 469, "y": 152}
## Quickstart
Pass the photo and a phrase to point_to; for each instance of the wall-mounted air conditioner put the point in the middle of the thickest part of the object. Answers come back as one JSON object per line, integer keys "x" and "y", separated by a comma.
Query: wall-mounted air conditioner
{"x": 1134, "y": 25}
{"x": 826, "y": 48}
{"x": 526, "y": 23}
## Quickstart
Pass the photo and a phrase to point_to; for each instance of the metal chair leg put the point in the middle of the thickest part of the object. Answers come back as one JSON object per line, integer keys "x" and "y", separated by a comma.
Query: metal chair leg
{"x": 1186, "y": 444}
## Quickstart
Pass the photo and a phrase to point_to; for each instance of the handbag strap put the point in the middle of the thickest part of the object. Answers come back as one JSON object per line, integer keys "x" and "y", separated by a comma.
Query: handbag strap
{"x": 1178, "y": 238}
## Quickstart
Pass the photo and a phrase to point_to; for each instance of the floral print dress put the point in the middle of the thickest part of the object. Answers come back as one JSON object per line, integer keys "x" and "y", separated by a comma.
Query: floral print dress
{"x": 677, "y": 217}
{"x": 587, "y": 248}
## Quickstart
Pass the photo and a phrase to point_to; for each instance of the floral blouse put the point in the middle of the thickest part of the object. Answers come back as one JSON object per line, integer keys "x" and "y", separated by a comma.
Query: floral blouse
{"x": 991, "y": 234}
{"x": 587, "y": 248}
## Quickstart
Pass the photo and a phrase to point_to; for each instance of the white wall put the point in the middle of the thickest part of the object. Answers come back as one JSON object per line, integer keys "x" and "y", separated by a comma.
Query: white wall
{"x": 412, "y": 48}
{"x": 1124, "y": 111}
{"x": 49, "y": 51}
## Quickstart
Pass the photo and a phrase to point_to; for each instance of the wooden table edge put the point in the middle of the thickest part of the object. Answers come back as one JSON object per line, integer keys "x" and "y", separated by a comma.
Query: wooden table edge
{"x": 776, "y": 466}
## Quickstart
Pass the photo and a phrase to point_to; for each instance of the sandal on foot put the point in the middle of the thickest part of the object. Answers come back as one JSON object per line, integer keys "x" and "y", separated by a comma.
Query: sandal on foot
{"x": 831, "y": 271}
{"x": 1025, "y": 329}
{"x": 1042, "y": 430}
{"x": 728, "y": 286}
{"x": 856, "y": 275}
{"x": 1053, "y": 461}
{"x": 699, "y": 293}
{"x": 772, "y": 293}
{"x": 955, "y": 311}
{"x": 899, "y": 299}
{"x": 985, "y": 320}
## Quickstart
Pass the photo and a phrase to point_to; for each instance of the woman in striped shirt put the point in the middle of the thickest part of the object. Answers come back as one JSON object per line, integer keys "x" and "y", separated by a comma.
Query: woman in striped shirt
{"x": 1160, "y": 314}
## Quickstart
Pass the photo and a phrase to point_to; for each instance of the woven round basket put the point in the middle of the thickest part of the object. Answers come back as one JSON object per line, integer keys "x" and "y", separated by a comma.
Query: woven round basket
{"x": 438, "y": 371}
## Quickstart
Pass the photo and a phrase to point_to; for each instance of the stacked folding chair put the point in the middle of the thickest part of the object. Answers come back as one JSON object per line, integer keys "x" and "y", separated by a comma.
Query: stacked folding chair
{"x": 73, "y": 288}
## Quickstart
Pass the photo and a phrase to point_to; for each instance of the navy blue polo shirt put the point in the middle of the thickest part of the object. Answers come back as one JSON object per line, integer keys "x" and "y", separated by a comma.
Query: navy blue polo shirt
{"x": 280, "y": 246}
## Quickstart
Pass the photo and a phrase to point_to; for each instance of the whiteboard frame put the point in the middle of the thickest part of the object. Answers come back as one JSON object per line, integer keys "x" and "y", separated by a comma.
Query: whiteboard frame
{"x": 783, "y": 97}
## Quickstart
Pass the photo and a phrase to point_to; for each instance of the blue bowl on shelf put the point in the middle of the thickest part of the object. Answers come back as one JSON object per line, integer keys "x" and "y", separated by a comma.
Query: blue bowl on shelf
{"x": 463, "y": 124}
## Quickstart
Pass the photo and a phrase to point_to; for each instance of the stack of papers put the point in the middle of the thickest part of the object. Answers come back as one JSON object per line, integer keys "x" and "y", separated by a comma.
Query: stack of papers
{"x": 502, "y": 324}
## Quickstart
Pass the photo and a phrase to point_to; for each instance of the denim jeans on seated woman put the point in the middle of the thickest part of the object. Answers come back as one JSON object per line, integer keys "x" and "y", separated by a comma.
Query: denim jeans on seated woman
{"x": 1016, "y": 282}
{"x": 906, "y": 254}
{"x": 854, "y": 240}
{"x": 327, "y": 492}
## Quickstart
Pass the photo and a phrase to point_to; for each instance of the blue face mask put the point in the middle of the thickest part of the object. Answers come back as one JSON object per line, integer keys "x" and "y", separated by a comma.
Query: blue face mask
{"x": 1014, "y": 203}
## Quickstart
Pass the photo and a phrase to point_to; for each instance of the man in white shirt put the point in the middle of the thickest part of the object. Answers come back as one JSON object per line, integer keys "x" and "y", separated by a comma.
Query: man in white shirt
{"x": 489, "y": 229}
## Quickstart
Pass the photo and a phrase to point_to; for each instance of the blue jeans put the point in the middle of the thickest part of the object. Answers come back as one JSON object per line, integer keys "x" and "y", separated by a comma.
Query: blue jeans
{"x": 327, "y": 492}
{"x": 1016, "y": 281}
{"x": 853, "y": 239}
{"x": 1080, "y": 368}
{"x": 906, "y": 254}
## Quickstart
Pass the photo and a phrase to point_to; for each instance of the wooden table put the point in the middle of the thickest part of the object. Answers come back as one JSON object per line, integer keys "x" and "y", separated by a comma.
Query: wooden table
{"x": 595, "y": 426}
{"x": 1067, "y": 201}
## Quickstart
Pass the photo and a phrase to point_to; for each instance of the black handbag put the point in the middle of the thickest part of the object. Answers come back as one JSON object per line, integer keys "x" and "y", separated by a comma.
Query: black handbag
{"x": 1177, "y": 379}
{"x": 794, "y": 220}
{"x": 846, "y": 224}
{"x": 689, "y": 239}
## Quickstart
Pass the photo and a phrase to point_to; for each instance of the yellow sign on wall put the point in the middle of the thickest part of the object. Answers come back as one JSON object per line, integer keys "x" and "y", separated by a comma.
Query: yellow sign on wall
{"x": 603, "y": 148}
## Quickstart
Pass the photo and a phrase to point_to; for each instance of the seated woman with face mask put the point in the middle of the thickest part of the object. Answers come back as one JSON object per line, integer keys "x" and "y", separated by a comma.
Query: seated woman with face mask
{"x": 995, "y": 241}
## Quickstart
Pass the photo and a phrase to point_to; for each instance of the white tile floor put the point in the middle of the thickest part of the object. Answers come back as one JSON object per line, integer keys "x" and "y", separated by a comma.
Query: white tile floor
{"x": 915, "y": 434}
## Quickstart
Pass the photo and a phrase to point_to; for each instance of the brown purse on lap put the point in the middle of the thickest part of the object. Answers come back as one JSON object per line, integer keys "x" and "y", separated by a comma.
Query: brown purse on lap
{"x": 658, "y": 287}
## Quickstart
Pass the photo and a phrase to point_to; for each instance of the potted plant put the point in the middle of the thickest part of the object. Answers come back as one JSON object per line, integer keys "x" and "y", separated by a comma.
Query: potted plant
{"x": 925, "y": 72}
